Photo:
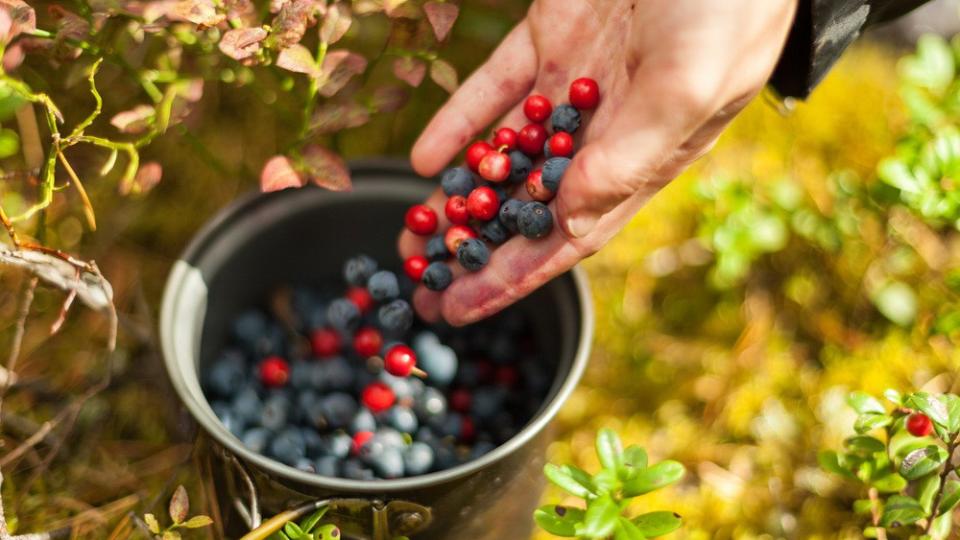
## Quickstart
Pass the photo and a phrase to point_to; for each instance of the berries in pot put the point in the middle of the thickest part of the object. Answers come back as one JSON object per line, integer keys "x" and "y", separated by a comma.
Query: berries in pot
{"x": 584, "y": 93}
{"x": 361, "y": 298}
{"x": 456, "y": 210}
{"x": 325, "y": 342}
{"x": 377, "y": 397}
{"x": 274, "y": 372}
{"x": 421, "y": 220}
{"x": 383, "y": 286}
{"x": 400, "y": 361}
{"x": 537, "y": 108}
{"x": 919, "y": 425}
{"x": 553, "y": 171}
{"x": 505, "y": 139}
{"x": 508, "y": 213}
{"x": 367, "y": 342}
{"x": 436, "y": 249}
{"x": 482, "y": 204}
{"x": 475, "y": 153}
{"x": 495, "y": 167}
{"x": 531, "y": 138}
{"x": 520, "y": 167}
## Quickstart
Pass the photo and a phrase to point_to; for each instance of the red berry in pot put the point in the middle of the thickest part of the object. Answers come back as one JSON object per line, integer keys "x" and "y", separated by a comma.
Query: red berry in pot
{"x": 457, "y": 234}
{"x": 495, "y": 167}
{"x": 361, "y": 298}
{"x": 537, "y": 108}
{"x": 468, "y": 429}
{"x": 274, "y": 371}
{"x": 325, "y": 342}
{"x": 531, "y": 138}
{"x": 360, "y": 438}
{"x": 460, "y": 400}
{"x": 560, "y": 144}
{"x": 919, "y": 425}
{"x": 584, "y": 93}
{"x": 483, "y": 204}
{"x": 475, "y": 153}
{"x": 414, "y": 267}
{"x": 400, "y": 361}
{"x": 504, "y": 139}
{"x": 421, "y": 219}
{"x": 456, "y": 210}
{"x": 377, "y": 397}
{"x": 535, "y": 187}
{"x": 367, "y": 342}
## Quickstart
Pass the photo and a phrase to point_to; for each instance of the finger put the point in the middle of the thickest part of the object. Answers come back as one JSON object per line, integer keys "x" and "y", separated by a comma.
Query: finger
{"x": 496, "y": 86}
{"x": 427, "y": 303}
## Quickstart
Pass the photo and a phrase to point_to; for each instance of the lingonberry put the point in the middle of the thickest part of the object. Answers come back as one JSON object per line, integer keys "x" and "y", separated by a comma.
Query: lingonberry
{"x": 531, "y": 138}
{"x": 274, "y": 371}
{"x": 421, "y": 219}
{"x": 483, "y": 204}
{"x": 377, "y": 397}
{"x": 414, "y": 266}
{"x": 457, "y": 234}
{"x": 400, "y": 361}
{"x": 361, "y": 298}
{"x": 507, "y": 375}
{"x": 360, "y": 439}
{"x": 560, "y": 145}
{"x": 468, "y": 429}
{"x": 475, "y": 153}
{"x": 505, "y": 139}
{"x": 456, "y": 210}
{"x": 325, "y": 342}
{"x": 367, "y": 341}
{"x": 460, "y": 399}
{"x": 919, "y": 425}
{"x": 537, "y": 108}
{"x": 535, "y": 187}
{"x": 495, "y": 167}
{"x": 584, "y": 93}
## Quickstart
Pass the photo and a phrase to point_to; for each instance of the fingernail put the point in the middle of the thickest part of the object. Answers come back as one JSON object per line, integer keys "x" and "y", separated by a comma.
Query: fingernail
{"x": 580, "y": 226}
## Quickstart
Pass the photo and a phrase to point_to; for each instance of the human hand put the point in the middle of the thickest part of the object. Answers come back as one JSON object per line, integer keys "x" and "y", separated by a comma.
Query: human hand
{"x": 672, "y": 74}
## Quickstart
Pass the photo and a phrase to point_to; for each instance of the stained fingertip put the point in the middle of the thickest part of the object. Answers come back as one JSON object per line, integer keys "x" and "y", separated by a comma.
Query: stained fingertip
{"x": 427, "y": 304}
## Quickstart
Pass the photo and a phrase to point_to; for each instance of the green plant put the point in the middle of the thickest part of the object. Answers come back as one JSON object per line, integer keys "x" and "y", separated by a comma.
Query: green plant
{"x": 179, "y": 509}
{"x": 310, "y": 528}
{"x": 607, "y": 494}
{"x": 911, "y": 482}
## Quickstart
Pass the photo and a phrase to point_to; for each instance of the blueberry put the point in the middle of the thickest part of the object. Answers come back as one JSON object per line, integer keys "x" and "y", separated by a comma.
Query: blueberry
{"x": 534, "y": 220}
{"x": 473, "y": 254}
{"x": 424, "y": 339}
{"x": 396, "y": 317}
{"x": 343, "y": 315}
{"x": 437, "y": 276}
{"x": 227, "y": 374}
{"x": 565, "y": 118}
{"x": 229, "y": 419}
{"x": 383, "y": 286}
{"x": 445, "y": 455}
{"x": 272, "y": 341}
{"x": 500, "y": 189}
{"x": 448, "y": 425}
{"x": 305, "y": 465}
{"x": 335, "y": 410}
{"x": 508, "y": 213}
{"x": 327, "y": 466}
{"x": 401, "y": 418}
{"x": 388, "y": 464}
{"x": 363, "y": 420}
{"x": 249, "y": 326}
{"x": 337, "y": 445}
{"x": 494, "y": 232}
{"x": 436, "y": 249}
{"x": 501, "y": 349}
{"x": 430, "y": 404}
{"x": 403, "y": 387}
{"x": 358, "y": 270}
{"x": 418, "y": 459}
{"x": 313, "y": 442}
{"x": 487, "y": 402}
{"x": 457, "y": 181}
{"x": 440, "y": 363}
{"x": 246, "y": 405}
{"x": 275, "y": 410}
{"x": 355, "y": 470}
{"x": 481, "y": 448}
{"x": 546, "y": 149}
{"x": 256, "y": 439}
{"x": 390, "y": 438}
{"x": 553, "y": 170}
{"x": 337, "y": 373}
{"x": 426, "y": 435}
{"x": 520, "y": 167}
{"x": 288, "y": 446}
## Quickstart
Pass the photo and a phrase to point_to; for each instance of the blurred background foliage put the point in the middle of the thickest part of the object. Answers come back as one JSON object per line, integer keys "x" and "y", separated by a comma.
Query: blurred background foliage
{"x": 734, "y": 313}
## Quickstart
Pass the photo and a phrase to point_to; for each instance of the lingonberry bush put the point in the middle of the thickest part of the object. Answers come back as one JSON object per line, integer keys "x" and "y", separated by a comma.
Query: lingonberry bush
{"x": 608, "y": 494}
{"x": 179, "y": 511}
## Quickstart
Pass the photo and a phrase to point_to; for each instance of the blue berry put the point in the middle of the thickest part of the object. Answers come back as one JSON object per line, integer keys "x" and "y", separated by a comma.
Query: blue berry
{"x": 520, "y": 167}
{"x": 227, "y": 374}
{"x": 418, "y": 459}
{"x": 355, "y": 470}
{"x": 486, "y": 402}
{"x": 363, "y": 421}
{"x": 300, "y": 374}
{"x": 481, "y": 448}
{"x": 358, "y": 270}
{"x": 328, "y": 466}
{"x": 314, "y": 442}
{"x": 337, "y": 445}
{"x": 249, "y": 325}
{"x": 256, "y": 439}
{"x": 534, "y": 220}
{"x": 436, "y": 249}
{"x": 494, "y": 232}
{"x": 288, "y": 446}
{"x": 440, "y": 363}
{"x": 275, "y": 410}
{"x": 456, "y": 181}
{"x": 383, "y": 286}
{"x": 508, "y": 213}
{"x": 401, "y": 418}
{"x": 473, "y": 254}
{"x": 388, "y": 464}
{"x": 338, "y": 373}
{"x": 343, "y": 315}
{"x": 396, "y": 317}
{"x": 448, "y": 425}
{"x": 305, "y": 465}
{"x": 430, "y": 404}
{"x": 246, "y": 405}
{"x": 229, "y": 419}
{"x": 437, "y": 276}
{"x": 553, "y": 170}
{"x": 390, "y": 437}
{"x": 337, "y": 410}
{"x": 565, "y": 118}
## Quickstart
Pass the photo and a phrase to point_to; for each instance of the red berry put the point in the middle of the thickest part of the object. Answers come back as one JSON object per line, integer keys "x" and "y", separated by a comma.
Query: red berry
{"x": 507, "y": 375}
{"x": 475, "y": 153}
{"x": 460, "y": 400}
{"x": 325, "y": 342}
{"x": 535, "y": 187}
{"x": 483, "y": 204}
{"x": 274, "y": 371}
{"x": 421, "y": 219}
{"x": 584, "y": 93}
{"x": 361, "y": 298}
{"x": 537, "y": 108}
{"x": 457, "y": 234}
{"x": 360, "y": 438}
{"x": 400, "y": 360}
{"x": 467, "y": 429}
{"x": 414, "y": 266}
{"x": 456, "y": 210}
{"x": 919, "y": 425}
{"x": 561, "y": 144}
{"x": 531, "y": 138}
{"x": 505, "y": 139}
{"x": 495, "y": 167}
{"x": 377, "y": 397}
{"x": 367, "y": 342}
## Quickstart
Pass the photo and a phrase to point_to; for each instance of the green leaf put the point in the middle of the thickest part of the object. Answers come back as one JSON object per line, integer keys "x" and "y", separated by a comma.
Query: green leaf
{"x": 197, "y": 522}
{"x": 293, "y": 530}
{"x": 653, "y": 478}
{"x": 871, "y": 532}
{"x": 609, "y": 449}
{"x": 571, "y": 479}
{"x": 862, "y": 506}
{"x": 952, "y": 403}
{"x": 658, "y": 523}
{"x": 932, "y": 66}
{"x": 893, "y": 396}
{"x": 607, "y": 481}
{"x": 327, "y": 532}
{"x": 890, "y": 483}
{"x": 922, "y": 461}
{"x": 930, "y": 405}
{"x": 942, "y": 526}
{"x": 311, "y": 521}
{"x": 831, "y": 461}
{"x": 864, "y": 445}
{"x": 901, "y": 510}
{"x": 9, "y": 143}
{"x": 634, "y": 461}
{"x": 868, "y": 422}
{"x": 896, "y": 301}
{"x": 152, "y": 523}
{"x": 626, "y": 530}
{"x": 951, "y": 496}
{"x": 927, "y": 490}
{"x": 600, "y": 518}
{"x": 558, "y": 520}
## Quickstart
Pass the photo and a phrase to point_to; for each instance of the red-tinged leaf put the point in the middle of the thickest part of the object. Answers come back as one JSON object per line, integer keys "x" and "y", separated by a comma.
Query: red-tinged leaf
{"x": 136, "y": 120}
{"x": 277, "y": 5}
{"x": 338, "y": 68}
{"x": 179, "y": 505}
{"x": 6, "y": 23}
{"x": 241, "y": 43}
{"x": 367, "y": 7}
{"x": 147, "y": 177}
{"x": 441, "y": 15}
{"x": 152, "y": 11}
{"x": 389, "y": 98}
{"x": 410, "y": 70}
{"x": 241, "y": 10}
{"x": 298, "y": 59}
{"x": 444, "y": 75}
{"x": 13, "y": 57}
{"x": 278, "y": 173}
{"x": 326, "y": 169}
{"x": 22, "y": 17}
{"x": 292, "y": 22}
{"x": 333, "y": 117}
{"x": 335, "y": 23}
{"x": 400, "y": 9}
{"x": 199, "y": 12}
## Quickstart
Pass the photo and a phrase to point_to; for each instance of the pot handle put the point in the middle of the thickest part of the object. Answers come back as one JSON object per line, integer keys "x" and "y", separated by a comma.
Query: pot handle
{"x": 384, "y": 521}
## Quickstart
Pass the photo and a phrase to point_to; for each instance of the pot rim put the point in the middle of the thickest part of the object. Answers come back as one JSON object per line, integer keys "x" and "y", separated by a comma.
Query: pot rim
{"x": 201, "y": 412}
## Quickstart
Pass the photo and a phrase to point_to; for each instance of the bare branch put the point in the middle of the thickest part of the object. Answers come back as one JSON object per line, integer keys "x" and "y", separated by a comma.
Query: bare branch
{"x": 60, "y": 271}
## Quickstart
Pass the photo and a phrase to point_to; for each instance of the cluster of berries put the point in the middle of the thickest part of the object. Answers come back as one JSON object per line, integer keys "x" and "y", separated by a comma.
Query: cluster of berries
{"x": 352, "y": 386}
{"x": 489, "y": 213}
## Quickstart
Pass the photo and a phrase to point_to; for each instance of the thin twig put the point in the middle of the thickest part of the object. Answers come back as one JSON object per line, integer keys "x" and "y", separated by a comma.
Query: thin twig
{"x": 947, "y": 469}
{"x": 31, "y": 441}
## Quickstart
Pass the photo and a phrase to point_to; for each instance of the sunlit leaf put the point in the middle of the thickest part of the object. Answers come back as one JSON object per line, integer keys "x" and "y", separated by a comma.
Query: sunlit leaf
{"x": 326, "y": 168}
{"x": 200, "y": 12}
{"x": 901, "y": 510}
{"x": 558, "y": 520}
{"x": 441, "y": 15}
{"x": 337, "y": 116}
{"x": 868, "y": 422}
{"x": 930, "y": 405}
{"x": 627, "y": 530}
{"x": 278, "y": 173}
{"x": 864, "y": 403}
{"x": 9, "y": 143}
{"x": 335, "y": 23}
{"x": 410, "y": 70}
{"x": 951, "y": 496}
{"x": 609, "y": 449}
{"x": 197, "y": 522}
{"x": 922, "y": 462}
{"x": 653, "y": 478}
{"x": 571, "y": 479}
{"x": 600, "y": 518}
{"x": 444, "y": 75}
{"x": 179, "y": 505}
{"x": 292, "y": 21}
{"x": 338, "y": 68}
{"x": 897, "y": 302}
{"x": 297, "y": 58}
{"x": 241, "y": 43}
{"x": 152, "y": 523}
{"x": 313, "y": 519}
{"x": 134, "y": 121}
{"x": 658, "y": 523}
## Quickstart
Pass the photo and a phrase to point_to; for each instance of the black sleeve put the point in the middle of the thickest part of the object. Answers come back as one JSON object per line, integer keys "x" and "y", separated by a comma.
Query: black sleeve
{"x": 822, "y": 30}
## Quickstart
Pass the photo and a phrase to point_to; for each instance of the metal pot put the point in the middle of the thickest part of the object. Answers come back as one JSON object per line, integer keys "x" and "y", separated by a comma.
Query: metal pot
{"x": 302, "y": 236}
